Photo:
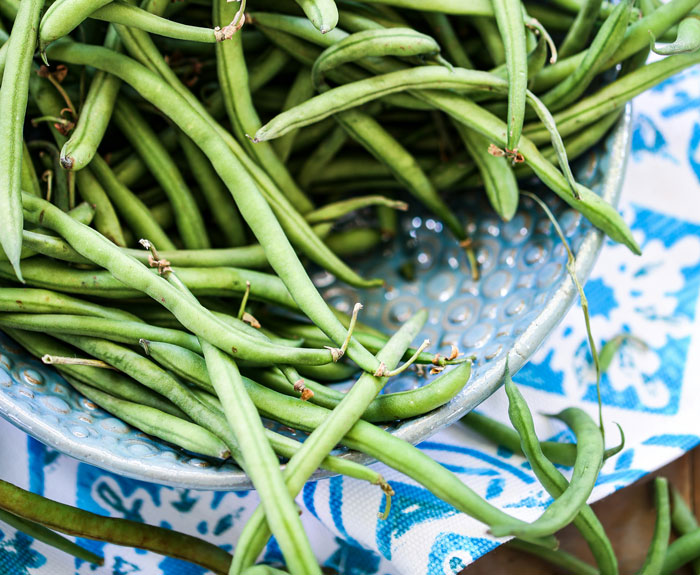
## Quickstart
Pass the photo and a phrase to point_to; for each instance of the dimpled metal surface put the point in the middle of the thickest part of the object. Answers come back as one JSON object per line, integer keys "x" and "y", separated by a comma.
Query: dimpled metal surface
{"x": 523, "y": 293}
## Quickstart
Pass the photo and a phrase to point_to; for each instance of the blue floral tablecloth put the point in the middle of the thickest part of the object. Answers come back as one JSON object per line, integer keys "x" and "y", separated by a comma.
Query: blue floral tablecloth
{"x": 653, "y": 392}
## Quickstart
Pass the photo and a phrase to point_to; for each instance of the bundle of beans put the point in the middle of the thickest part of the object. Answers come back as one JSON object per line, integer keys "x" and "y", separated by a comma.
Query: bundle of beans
{"x": 229, "y": 143}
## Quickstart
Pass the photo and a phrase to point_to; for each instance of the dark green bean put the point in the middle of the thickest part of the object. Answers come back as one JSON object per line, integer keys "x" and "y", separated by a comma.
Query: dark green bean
{"x": 221, "y": 206}
{"x": 45, "y": 535}
{"x": 59, "y": 182}
{"x": 683, "y": 521}
{"x": 555, "y": 483}
{"x": 156, "y": 423}
{"x": 662, "y": 530}
{"x": 447, "y": 36}
{"x": 72, "y": 521}
{"x": 94, "y": 117}
{"x": 189, "y": 220}
{"x": 13, "y": 105}
{"x": 316, "y": 162}
{"x": 488, "y": 31}
{"x": 266, "y": 67}
{"x": 30, "y": 182}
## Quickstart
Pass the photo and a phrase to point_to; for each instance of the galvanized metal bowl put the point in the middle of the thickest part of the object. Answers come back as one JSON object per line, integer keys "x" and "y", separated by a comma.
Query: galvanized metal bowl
{"x": 523, "y": 293}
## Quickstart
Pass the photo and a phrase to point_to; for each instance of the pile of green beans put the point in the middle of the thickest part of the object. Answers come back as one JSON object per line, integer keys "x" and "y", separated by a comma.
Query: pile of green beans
{"x": 166, "y": 172}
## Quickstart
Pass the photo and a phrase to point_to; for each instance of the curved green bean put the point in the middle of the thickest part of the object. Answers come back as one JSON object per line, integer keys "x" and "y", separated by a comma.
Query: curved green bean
{"x": 121, "y": 12}
{"x": 45, "y": 535}
{"x": 555, "y": 483}
{"x": 683, "y": 550}
{"x": 687, "y": 40}
{"x": 336, "y": 210}
{"x": 683, "y": 520}
{"x": 72, "y": 521}
{"x": 323, "y": 14}
{"x": 187, "y": 216}
{"x": 62, "y": 17}
{"x": 13, "y": 106}
{"x": 94, "y": 117}
{"x": 662, "y": 530}
{"x": 156, "y": 423}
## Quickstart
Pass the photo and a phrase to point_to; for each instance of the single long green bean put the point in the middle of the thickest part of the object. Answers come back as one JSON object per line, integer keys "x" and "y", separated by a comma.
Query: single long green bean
{"x": 29, "y": 179}
{"x": 121, "y": 12}
{"x": 45, "y": 535}
{"x": 156, "y": 423}
{"x": 662, "y": 530}
{"x": 509, "y": 18}
{"x": 189, "y": 220}
{"x": 555, "y": 483}
{"x": 95, "y": 115}
{"x": 72, "y": 521}
{"x": 129, "y": 332}
{"x": 336, "y": 210}
{"x": 14, "y": 92}
{"x": 252, "y": 205}
{"x": 63, "y": 16}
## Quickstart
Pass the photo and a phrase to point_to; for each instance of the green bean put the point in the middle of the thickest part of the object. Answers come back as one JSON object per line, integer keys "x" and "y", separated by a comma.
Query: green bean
{"x": 683, "y": 550}
{"x": 260, "y": 462}
{"x": 555, "y": 483}
{"x": 106, "y": 380}
{"x": 41, "y": 533}
{"x": 163, "y": 214}
{"x": 131, "y": 208}
{"x": 613, "y": 96}
{"x": 233, "y": 78}
{"x": 605, "y": 43}
{"x": 386, "y": 407}
{"x": 129, "y": 332}
{"x": 300, "y": 90}
{"x": 662, "y": 530}
{"x": 95, "y": 114}
{"x": 252, "y": 204}
{"x": 636, "y": 39}
{"x": 62, "y": 17}
{"x": 323, "y": 14}
{"x": 156, "y": 423}
{"x": 72, "y": 521}
{"x": 559, "y": 558}
{"x": 195, "y": 318}
{"x": 509, "y": 18}
{"x": 354, "y": 241}
{"x": 332, "y": 372}
{"x": 322, "y": 440}
{"x": 550, "y": 18}
{"x": 9, "y": 9}
{"x": 221, "y": 206}
{"x": 263, "y": 570}
{"x": 683, "y": 520}
{"x": 13, "y": 106}
{"x": 447, "y": 36}
{"x": 589, "y": 459}
{"x": 324, "y": 153}
{"x": 293, "y": 223}
{"x": 577, "y": 36}
{"x": 497, "y": 176}
{"x": 336, "y": 210}
{"x": 30, "y": 183}
{"x": 189, "y": 220}
{"x": 29, "y": 300}
{"x": 687, "y": 40}
{"x": 120, "y": 12}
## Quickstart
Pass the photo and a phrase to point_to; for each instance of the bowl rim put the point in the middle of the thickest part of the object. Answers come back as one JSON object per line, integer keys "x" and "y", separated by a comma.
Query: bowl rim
{"x": 414, "y": 430}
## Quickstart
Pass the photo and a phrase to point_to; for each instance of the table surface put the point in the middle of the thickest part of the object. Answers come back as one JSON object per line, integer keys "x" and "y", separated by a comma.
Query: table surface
{"x": 628, "y": 517}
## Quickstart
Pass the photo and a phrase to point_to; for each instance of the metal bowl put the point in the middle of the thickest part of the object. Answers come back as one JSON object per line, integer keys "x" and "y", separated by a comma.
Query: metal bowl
{"x": 523, "y": 293}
